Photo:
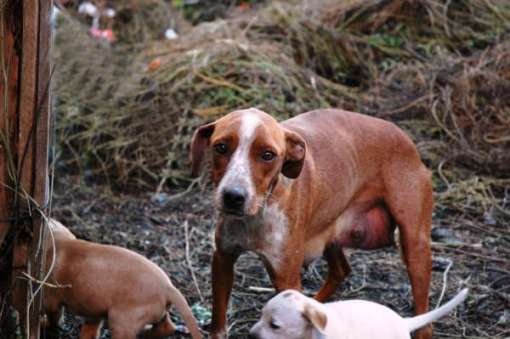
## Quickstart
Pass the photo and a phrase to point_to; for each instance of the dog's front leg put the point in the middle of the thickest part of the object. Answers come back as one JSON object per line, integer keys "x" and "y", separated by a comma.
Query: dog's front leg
{"x": 285, "y": 273}
{"x": 222, "y": 281}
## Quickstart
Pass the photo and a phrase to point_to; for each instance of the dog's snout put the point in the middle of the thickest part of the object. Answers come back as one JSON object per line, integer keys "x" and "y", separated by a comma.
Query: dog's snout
{"x": 253, "y": 336}
{"x": 234, "y": 198}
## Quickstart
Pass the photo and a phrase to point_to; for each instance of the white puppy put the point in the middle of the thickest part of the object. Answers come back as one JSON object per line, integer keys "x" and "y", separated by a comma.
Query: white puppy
{"x": 291, "y": 315}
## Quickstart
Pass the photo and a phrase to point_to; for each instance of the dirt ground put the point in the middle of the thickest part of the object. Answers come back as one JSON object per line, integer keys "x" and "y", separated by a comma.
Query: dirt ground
{"x": 176, "y": 232}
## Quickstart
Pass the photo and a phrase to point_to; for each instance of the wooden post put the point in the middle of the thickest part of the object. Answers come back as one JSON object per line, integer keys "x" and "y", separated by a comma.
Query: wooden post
{"x": 9, "y": 69}
{"x": 25, "y": 36}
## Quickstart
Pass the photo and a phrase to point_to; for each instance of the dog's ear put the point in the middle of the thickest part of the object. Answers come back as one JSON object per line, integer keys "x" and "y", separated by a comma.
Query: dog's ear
{"x": 294, "y": 155}
{"x": 199, "y": 142}
{"x": 316, "y": 317}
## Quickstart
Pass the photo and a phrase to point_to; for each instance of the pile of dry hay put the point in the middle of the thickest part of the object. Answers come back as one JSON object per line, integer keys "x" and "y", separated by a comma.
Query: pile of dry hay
{"x": 439, "y": 68}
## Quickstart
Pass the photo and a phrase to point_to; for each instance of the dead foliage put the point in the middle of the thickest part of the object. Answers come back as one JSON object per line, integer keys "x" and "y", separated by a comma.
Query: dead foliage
{"x": 444, "y": 63}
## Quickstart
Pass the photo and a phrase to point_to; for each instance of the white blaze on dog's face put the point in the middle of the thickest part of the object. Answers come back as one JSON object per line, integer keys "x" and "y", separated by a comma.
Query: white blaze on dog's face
{"x": 250, "y": 148}
{"x": 290, "y": 315}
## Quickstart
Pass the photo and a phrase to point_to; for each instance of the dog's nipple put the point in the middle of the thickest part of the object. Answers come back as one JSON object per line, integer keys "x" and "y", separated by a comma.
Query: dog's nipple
{"x": 357, "y": 236}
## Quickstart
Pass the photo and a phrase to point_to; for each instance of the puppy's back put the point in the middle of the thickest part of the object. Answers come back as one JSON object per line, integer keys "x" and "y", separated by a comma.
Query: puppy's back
{"x": 365, "y": 319}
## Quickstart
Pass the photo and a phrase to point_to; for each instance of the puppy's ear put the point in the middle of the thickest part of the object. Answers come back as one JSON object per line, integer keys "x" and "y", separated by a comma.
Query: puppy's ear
{"x": 315, "y": 316}
{"x": 198, "y": 145}
{"x": 294, "y": 155}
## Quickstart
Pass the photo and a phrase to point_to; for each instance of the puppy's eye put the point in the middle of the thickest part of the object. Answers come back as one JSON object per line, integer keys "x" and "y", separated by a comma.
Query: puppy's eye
{"x": 274, "y": 325}
{"x": 268, "y": 156}
{"x": 221, "y": 148}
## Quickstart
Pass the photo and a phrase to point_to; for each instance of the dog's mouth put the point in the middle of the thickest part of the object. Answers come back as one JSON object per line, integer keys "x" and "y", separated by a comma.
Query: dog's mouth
{"x": 232, "y": 212}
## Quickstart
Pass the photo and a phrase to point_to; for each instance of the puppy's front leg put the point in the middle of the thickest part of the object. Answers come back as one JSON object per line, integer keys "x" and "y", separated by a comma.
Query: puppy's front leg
{"x": 222, "y": 281}
{"x": 91, "y": 329}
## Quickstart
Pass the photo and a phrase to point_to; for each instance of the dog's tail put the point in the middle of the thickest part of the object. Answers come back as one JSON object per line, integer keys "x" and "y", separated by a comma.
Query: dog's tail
{"x": 421, "y": 320}
{"x": 182, "y": 306}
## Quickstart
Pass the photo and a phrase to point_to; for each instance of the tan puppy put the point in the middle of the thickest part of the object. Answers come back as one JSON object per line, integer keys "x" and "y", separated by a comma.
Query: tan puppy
{"x": 310, "y": 186}
{"x": 108, "y": 282}
{"x": 291, "y": 315}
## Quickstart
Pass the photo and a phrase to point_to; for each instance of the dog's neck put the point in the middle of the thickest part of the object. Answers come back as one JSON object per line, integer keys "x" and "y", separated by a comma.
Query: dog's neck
{"x": 278, "y": 192}
{"x": 263, "y": 233}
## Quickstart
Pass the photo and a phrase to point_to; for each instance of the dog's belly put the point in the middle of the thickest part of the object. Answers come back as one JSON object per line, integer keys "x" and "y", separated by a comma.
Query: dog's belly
{"x": 367, "y": 226}
{"x": 369, "y": 230}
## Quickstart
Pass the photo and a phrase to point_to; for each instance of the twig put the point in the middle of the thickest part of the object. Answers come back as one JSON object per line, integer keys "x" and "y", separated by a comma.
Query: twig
{"x": 261, "y": 289}
{"x": 441, "y": 174}
{"x": 188, "y": 261}
{"x": 489, "y": 290}
{"x": 46, "y": 222}
{"x": 470, "y": 254}
{"x": 445, "y": 282}
{"x": 407, "y": 106}
{"x": 173, "y": 197}
{"x": 364, "y": 283}
{"x": 218, "y": 82}
{"x": 43, "y": 283}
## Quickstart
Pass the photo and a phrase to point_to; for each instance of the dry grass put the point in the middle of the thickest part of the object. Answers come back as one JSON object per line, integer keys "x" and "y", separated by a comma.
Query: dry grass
{"x": 399, "y": 60}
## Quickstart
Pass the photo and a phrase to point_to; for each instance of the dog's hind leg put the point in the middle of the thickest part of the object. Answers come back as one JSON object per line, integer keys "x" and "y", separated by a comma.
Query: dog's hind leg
{"x": 162, "y": 329}
{"x": 410, "y": 201}
{"x": 127, "y": 323}
{"x": 123, "y": 330}
{"x": 338, "y": 269}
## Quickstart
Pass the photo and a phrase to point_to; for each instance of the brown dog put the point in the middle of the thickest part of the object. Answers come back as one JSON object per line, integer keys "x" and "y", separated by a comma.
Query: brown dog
{"x": 355, "y": 178}
{"x": 108, "y": 282}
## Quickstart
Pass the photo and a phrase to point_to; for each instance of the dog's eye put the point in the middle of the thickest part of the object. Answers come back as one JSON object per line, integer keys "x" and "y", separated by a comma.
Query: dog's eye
{"x": 221, "y": 148}
{"x": 268, "y": 156}
{"x": 274, "y": 325}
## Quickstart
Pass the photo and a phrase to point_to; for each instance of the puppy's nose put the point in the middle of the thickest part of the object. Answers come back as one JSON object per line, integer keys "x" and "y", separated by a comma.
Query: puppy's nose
{"x": 234, "y": 198}
{"x": 253, "y": 336}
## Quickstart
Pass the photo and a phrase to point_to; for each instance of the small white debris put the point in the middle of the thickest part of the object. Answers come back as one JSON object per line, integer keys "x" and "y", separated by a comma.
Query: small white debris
{"x": 504, "y": 319}
{"x": 88, "y": 9}
{"x": 109, "y": 13}
{"x": 171, "y": 34}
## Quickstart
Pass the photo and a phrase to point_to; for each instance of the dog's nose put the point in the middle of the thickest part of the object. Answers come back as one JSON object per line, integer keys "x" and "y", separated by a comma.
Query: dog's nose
{"x": 253, "y": 336}
{"x": 234, "y": 198}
